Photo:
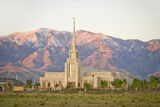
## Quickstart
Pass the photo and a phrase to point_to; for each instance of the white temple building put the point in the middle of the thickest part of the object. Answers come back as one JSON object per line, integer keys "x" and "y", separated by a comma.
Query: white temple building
{"x": 75, "y": 75}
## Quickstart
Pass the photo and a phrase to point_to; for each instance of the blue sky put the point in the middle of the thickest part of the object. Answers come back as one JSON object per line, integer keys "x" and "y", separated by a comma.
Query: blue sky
{"x": 126, "y": 19}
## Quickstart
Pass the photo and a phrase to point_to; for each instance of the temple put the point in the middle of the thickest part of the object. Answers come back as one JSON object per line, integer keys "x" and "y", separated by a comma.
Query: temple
{"x": 76, "y": 75}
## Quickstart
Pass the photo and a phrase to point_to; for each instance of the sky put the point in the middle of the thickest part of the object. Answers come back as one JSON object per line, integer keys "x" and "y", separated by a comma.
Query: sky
{"x": 125, "y": 19}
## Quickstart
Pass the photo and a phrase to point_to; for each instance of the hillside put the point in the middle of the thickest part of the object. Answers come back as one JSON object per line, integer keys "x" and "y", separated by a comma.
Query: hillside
{"x": 30, "y": 54}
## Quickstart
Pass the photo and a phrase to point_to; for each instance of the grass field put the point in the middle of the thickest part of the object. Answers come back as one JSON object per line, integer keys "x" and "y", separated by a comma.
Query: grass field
{"x": 79, "y": 100}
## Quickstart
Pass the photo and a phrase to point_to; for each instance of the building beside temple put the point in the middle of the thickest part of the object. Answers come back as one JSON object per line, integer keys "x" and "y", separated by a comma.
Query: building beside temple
{"x": 75, "y": 75}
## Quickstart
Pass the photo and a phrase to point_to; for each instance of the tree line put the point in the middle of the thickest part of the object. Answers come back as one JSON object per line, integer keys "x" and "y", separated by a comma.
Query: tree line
{"x": 152, "y": 84}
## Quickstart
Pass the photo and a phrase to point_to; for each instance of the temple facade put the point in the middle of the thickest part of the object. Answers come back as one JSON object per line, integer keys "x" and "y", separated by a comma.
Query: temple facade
{"x": 76, "y": 75}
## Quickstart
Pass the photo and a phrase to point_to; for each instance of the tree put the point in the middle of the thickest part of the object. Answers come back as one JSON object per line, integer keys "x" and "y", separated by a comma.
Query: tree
{"x": 117, "y": 83}
{"x": 145, "y": 84}
{"x": 36, "y": 85}
{"x": 49, "y": 84}
{"x": 29, "y": 83}
{"x": 152, "y": 77}
{"x": 136, "y": 84}
{"x": 153, "y": 81}
{"x": 153, "y": 84}
{"x": 104, "y": 84}
{"x": 56, "y": 85}
{"x": 88, "y": 86}
{"x": 124, "y": 83}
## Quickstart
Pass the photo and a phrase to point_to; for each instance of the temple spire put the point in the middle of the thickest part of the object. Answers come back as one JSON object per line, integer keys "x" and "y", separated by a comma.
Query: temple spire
{"x": 74, "y": 37}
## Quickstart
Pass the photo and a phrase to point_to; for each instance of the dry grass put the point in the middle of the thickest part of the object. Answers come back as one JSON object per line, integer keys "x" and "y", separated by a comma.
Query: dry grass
{"x": 79, "y": 100}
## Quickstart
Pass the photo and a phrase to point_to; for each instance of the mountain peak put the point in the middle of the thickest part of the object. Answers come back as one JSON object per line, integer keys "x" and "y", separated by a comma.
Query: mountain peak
{"x": 43, "y": 30}
{"x": 154, "y": 45}
{"x": 45, "y": 49}
{"x": 84, "y": 31}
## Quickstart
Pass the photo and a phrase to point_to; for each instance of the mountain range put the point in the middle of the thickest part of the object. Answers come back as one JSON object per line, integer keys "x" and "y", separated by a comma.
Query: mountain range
{"x": 30, "y": 54}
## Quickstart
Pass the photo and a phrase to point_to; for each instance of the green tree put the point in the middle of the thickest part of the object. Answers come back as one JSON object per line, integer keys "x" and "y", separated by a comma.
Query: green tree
{"x": 36, "y": 85}
{"x": 104, "y": 84}
{"x": 145, "y": 84}
{"x": 153, "y": 84}
{"x": 117, "y": 83}
{"x": 88, "y": 86}
{"x": 136, "y": 84}
{"x": 153, "y": 81}
{"x": 29, "y": 83}
{"x": 152, "y": 77}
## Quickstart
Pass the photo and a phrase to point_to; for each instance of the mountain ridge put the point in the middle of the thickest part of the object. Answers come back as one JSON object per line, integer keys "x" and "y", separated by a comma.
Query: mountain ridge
{"x": 32, "y": 53}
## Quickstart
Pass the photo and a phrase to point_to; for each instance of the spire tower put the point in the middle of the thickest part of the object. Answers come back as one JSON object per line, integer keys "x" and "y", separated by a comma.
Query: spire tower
{"x": 74, "y": 37}
{"x": 72, "y": 65}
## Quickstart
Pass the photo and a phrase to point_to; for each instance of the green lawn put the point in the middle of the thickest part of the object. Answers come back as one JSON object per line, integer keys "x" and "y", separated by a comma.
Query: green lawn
{"x": 79, "y": 100}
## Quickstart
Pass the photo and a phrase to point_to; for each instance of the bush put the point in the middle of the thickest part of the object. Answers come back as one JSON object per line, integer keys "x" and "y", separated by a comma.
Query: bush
{"x": 88, "y": 86}
{"x": 104, "y": 84}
